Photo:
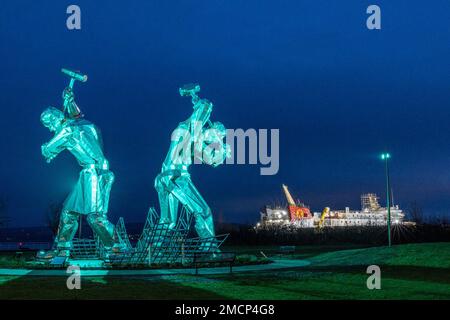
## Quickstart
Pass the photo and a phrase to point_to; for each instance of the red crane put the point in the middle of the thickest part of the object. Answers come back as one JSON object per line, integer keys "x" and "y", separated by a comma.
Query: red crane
{"x": 297, "y": 210}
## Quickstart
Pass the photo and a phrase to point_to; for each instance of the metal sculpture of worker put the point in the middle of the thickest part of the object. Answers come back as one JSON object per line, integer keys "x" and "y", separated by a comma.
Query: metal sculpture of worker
{"x": 195, "y": 140}
{"x": 90, "y": 196}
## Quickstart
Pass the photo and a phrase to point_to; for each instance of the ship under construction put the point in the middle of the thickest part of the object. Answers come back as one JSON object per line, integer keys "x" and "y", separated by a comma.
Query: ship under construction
{"x": 297, "y": 214}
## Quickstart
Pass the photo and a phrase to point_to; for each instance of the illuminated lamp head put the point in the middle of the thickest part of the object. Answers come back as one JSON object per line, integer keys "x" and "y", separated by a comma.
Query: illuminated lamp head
{"x": 52, "y": 118}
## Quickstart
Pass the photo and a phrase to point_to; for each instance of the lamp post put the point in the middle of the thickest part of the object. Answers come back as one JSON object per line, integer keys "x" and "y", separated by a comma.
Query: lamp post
{"x": 385, "y": 157}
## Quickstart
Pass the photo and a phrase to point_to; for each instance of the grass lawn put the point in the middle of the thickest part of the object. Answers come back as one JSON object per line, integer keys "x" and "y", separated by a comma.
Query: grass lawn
{"x": 412, "y": 271}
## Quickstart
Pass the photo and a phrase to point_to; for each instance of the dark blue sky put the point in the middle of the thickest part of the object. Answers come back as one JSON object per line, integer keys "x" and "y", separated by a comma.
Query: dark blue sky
{"x": 338, "y": 92}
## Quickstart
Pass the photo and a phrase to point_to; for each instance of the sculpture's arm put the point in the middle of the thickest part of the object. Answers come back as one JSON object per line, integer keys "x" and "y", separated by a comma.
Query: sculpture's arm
{"x": 70, "y": 106}
{"x": 200, "y": 118}
{"x": 202, "y": 111}
{"x": 57, "y": 144}
{"x": 180, "y": 148}
{"x": 211, "y": 148}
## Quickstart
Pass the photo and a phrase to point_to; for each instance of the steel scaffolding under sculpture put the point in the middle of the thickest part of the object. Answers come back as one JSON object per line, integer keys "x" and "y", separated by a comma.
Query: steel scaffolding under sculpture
{"x": 160, "y": 244}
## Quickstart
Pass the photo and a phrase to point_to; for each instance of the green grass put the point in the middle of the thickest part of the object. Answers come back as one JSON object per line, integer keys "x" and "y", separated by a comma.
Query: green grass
{"x": 413, "y": 271}
{"x": 301, "y": 252}
{"x": 431, "y": 255}
{"x": 9, "y": 259}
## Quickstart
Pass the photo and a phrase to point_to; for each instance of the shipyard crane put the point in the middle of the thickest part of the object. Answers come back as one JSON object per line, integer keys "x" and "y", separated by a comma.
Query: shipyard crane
{"x": 297, "y": 211}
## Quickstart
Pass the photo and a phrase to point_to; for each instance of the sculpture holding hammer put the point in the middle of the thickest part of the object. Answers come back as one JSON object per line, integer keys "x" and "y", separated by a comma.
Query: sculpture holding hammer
{"x": 195, "y": 140}
{"x": 90, "y": 195}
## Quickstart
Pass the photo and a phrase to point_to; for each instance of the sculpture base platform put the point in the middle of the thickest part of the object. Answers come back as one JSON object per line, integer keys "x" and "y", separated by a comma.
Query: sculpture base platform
{"x": 159, "y": 244}
{"x": 87, "y": 263}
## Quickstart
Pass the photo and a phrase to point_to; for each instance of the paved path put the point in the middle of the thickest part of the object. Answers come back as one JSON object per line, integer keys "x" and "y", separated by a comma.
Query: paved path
{"x": 276, "y": 265}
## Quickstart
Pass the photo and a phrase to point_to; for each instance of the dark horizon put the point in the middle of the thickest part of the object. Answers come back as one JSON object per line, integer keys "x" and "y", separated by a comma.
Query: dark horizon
{"x": 340, "y": 94}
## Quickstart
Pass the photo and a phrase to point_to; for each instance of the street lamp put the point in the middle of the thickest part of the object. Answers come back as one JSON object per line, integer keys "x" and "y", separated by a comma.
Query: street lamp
{"x": 385, "y": 157}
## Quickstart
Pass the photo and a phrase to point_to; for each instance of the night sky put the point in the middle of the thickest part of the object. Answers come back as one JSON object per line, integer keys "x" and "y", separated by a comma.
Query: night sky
{"x": 339, "y": 93}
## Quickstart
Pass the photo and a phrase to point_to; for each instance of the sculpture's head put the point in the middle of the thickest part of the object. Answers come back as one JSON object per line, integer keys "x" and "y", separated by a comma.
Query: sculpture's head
{"x": 52, "y": 118}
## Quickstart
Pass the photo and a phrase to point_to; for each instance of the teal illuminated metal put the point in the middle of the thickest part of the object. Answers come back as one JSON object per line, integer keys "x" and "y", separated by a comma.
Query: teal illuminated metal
{"x": 195, "y": 140}
{"x": 70, "y": 108}
{"x": 90, "y": 195}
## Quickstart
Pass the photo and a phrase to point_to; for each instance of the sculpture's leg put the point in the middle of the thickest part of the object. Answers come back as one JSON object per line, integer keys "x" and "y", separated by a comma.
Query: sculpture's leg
{"x": 189, "y": 196}
{"x": 104, "y": 180}
{"x": 173, "y": 209}
{"x": 163, "y": 200}
{"x": 101, "y": 182}
{"x": 167, "y": 202}
{"x": 102, "y": 228}
{"x": 68, "y": 225}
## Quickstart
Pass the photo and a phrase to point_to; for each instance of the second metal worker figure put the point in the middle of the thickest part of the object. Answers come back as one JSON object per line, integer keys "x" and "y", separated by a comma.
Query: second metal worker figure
{"x": 195, "y": 140}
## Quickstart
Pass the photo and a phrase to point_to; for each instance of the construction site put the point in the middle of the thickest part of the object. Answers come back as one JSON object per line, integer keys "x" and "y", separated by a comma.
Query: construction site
{"x": 297, "y": 214}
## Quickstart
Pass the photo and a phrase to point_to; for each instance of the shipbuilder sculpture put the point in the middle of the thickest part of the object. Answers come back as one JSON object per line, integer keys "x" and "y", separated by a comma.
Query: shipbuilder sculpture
{"x": 90, "y": 196}
{"x": 196, "y": 140}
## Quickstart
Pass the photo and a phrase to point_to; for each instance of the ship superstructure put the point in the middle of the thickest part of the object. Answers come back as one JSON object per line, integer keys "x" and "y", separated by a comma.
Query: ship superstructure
{"x": 297, "y": 214}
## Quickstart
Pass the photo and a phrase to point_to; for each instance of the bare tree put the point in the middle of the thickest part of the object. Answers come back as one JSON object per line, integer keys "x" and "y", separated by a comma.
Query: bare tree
{"x": 53, "y": 215}
{"x": 415, "y": 213}
{"x": 443, "y": 219}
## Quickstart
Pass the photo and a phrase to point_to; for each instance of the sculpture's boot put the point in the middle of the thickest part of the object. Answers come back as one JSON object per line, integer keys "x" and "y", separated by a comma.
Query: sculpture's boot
{"x": 102, "y": 228}
{"x": 48, "y": 255}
